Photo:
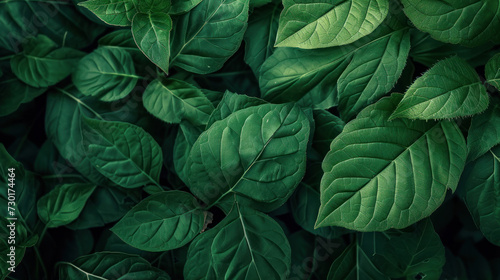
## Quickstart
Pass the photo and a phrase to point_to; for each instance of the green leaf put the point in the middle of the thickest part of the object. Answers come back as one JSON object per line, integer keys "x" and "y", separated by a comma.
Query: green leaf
{"x": 354, "y": 264}
{"x": 466, "y": 22}
{"x": 484, "y": 131}
{"x": 106, "y": 73}
{"x": 110, "y": 265}
{"x": 205, "y": 37}
{"x": 123, "y": 152}
{"x": 245, "y": 245}
{"x": 14, "y": 93}
{"x": 174, "y": 100}
{"x": 410, "y": 253}
{"x": 481, "y": 183}
{"x": 230, "y": 103}
{"x": 63, "y": 204}
{"x": 154, "y": 6}
{"x": 492, "y": 71}
{"x": 184, "y": 141}
{"x": 382, "y": 174}
{"x": 42, "y": 64}
{"x": 450, "y": 89}
{"x": 123, "y": 39}
{"x": 257, "y": 153}
{"x": 162, "y": 222}
{"x": 372, "y": 73}
{"x": 322, "y": 24}
{"x": 152, "y": 36}
{"x": 183, "y": 6}
{"x": 328, "y": 127}
{"x": 113, "y": 12}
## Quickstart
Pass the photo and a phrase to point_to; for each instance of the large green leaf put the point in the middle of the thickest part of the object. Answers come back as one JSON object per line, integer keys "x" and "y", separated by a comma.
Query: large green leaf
{"x": 451, "y": 88}
{"x": 481, "y": 183}
{"x": 63, "y": 204}
{"x": 122, "y": 152}
{"x": 382, "y": 174}
{"x": 492, "y": 70}
{"x": 372, "y": 73}
{"x": 410, "y": 253}
{"x": 162, "y": 222}
{"x": 467, "y": 22}
{"x": 152, "y": 36}
{"x": 230, "y": 103}
{"x": 484, "y": 131}
{"x": 42, "y": 64}
{"x": 257, "y": 152}
{"x": 114, "y": 12}
{"x": 205, "y": 37}
{"x": 325, "y": 23}
{"x": 245, "y": 245}
{"x": 110, "y": 266}
{"x": 106, "y": 73}
{"x": 174, "y": 100}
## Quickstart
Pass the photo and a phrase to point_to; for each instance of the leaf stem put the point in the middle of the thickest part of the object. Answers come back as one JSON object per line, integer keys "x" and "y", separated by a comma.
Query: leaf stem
{"x": 80, "y": 102}
{"x": 6, "y": 57}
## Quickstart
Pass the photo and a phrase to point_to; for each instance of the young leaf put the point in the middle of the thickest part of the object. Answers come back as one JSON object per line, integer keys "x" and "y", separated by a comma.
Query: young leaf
{"x": 106, "y": 73}
{"x": 113, "y": 12}
{"x": 466, "y": 22}
{"x": 492, "y": 71}
{"x": 382, "y": 174}
{"x": 63, "y": 204}
{"x": 205, "y": 37}
{"x": 42, "y": 64}
{"x": 174, "y": 100}
{"x": 110, "y": 265}
{"x": 124, "y": 153}
{"x": 322, "y": 24}
{"x": 162, "y": 222}
{"x": 257, "y": 152}
{"x": 450, "y": 89}
{"x": 152, "y": 36}
{"x": 481, "y": 182}
{"x": 245, "y": 245}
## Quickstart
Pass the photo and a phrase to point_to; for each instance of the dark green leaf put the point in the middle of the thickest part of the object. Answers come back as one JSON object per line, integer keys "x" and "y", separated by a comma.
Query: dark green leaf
{"x": 183, "y": 6}
{"x": 493, "y": 71}
{"x": 114, "y": 12}
{"x": 230, "y": 103}
{"x": 484, "y": 131}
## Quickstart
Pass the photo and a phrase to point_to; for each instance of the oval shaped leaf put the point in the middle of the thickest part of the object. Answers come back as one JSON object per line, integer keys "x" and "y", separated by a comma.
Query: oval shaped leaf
{"x": 322, "y": 23}
{"x": 492, "y": 71}
{"x": 124, "y": 153}
{"x": 174, "y": 100}
{"x": 257, "y": 152}
{"x": 205, "y": 37}
{"x": 63, "y": 204}
{"x": 382, "y": 174}
{"x": 162, "y": 222}
{"x": 106, "y": 73}
{"x": 450, "y": 89}
{"x": 113, "y": 12}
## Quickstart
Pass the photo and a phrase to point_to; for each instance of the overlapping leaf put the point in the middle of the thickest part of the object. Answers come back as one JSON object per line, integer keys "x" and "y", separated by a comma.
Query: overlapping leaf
{"x": 114, "y": 12}
{"x": 484, "y": 131}
{"x": 493, "y": 71}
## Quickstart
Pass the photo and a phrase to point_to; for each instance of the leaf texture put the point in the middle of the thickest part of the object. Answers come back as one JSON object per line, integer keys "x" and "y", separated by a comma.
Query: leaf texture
{"x": 492, "y": 70}
{"x": 113, "y": 12}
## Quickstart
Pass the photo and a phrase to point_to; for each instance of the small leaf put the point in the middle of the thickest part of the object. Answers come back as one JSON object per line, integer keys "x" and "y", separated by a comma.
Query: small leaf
{"x": 124, "y": 153}
{"x": 450, "y": 89}
{"x": 492, "y": 70}
{"x": 63, "y": 204}
{"x": 321, "y": 24}
{"x": 162, "y": 222}
{"x": 106, "y": 73}
{"x": 152, "y": 36}
{"x": 113, "y": 12}
{"x": 174, "y": 100}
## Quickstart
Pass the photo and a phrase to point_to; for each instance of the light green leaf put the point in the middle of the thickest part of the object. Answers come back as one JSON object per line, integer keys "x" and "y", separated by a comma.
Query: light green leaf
{"x": 183, "y": 6}
{"x": 484, "y": 131}
{"x": 63, "y": 204}
{"x": 162, "y": 222}
{"x": 245, "y": 245}
{"x": 372, "y": 73}
{"x": 152, "y": 36}
{"x": 110, "y": 265}
{"x": 492, "y": 71}
{"x": 174, "y": 100}
{"x": 42, "y": 63}
{"x": 257, "y": 153}
{"x": 450, "y": 89}
{"x": 113, "y": 12}
{"x": 106, "y": 73}
{"x": 322, "y": 23}
{"x": 466, "y": 22}
{"x": 481, "y": 183}
{"x": 409, "y": 253}
{"x": 230, "y": 103}
{"x": 382, "y": 174}
{"x": 205, "y": 37}
{"x": 123, "y": 152}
